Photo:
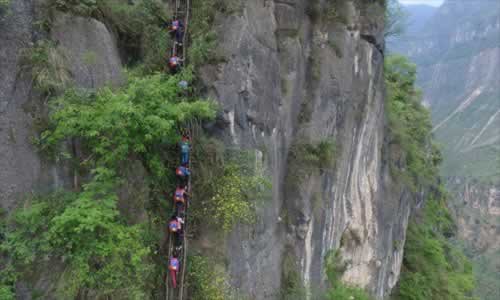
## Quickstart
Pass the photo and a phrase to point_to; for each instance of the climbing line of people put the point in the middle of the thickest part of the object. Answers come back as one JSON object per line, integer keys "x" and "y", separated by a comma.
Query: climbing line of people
{"x": 176, "y": 59}
{"x": 177, "y": 242}
{"x": 177, "y": 222}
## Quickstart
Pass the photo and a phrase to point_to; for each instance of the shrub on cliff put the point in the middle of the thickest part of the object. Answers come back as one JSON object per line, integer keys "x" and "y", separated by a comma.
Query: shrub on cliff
{"x": 433, "y": 268}
{"x": 101, "y": 253}
{"x": 409, "y": 124}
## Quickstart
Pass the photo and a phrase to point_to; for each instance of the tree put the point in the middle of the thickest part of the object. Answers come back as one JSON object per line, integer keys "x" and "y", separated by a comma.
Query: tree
{"x": 395, "y": 19}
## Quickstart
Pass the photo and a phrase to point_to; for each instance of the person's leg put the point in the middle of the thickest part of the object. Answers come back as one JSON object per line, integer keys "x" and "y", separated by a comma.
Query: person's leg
{"x": 173, "y": 275}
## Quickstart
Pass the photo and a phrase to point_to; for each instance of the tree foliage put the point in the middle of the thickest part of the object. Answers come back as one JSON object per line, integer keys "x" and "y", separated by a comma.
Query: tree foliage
{"x": 433, "y": 268}
{"x": 228, "y": 185}
{"x": 47, "y": 66}
{"x": 140, "y": 26}
{"x": 335, "y": 267}
{"x": 395, "y": 19}
{"x": 410, "y": 124}
{"x": 206, "y": 281}
{"x": 100, "y": 254}
{"x": 115, "y": 125}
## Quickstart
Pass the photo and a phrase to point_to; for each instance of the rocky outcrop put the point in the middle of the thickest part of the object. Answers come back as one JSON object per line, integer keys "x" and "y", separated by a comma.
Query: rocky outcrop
{"x": 91, "y": 56}
{"x": 291, "y": 76}
{"x": 21, "y": 169}
{"x": 89, "y": 49}
{"x": 477, "y": 210}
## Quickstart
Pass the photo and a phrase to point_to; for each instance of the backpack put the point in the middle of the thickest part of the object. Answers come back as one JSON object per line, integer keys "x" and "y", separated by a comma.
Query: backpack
{"x": 179, "y": 196}
{"x": 173, "y": 226}
{"x": 175, "y": 24}
{"x": 174, "y": 264}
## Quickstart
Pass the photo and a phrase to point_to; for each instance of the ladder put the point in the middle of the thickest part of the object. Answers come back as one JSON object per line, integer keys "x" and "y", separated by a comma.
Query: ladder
{"x": 182, "y": 13}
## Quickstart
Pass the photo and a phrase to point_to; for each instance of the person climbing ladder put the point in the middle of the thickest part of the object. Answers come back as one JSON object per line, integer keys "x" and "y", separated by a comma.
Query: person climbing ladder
{"x": 185, "y": 149}
{"x": 177, "y": 224}
{"x": 173, "y": 267}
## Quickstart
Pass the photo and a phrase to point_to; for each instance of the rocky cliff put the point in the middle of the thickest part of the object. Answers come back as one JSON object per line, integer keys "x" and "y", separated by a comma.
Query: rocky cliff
{"x": 22, "y": 106}
{"x": 293, "y": 72}
{"x": 477, "y": 210}
{"x": 291, "y": 75}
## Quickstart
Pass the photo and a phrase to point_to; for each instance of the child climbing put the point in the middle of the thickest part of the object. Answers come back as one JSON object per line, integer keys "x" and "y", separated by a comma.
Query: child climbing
{"x": 185, "y": 150}
{"x": 174, "y": 63}
{"x": 173, "y": 267}
{"x": 177, "y": 31}
{"x": 180, "y": 194}
{"x": 175, "y": 224}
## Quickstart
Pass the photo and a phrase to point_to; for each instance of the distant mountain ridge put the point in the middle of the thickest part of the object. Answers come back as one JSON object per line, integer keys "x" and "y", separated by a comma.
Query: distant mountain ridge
{"x": 457, "y": 52}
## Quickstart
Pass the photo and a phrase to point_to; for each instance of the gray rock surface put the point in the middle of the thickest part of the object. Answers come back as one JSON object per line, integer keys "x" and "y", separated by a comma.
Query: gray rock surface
{"x": 93, "y": 61}
{"x": 90, "y": 50}
{"x": 289, "y": 78}
{"x": 20, "y": 166}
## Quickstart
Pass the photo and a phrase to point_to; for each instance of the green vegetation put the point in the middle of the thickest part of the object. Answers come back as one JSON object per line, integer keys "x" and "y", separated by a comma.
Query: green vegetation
{"x": 228, "y": 185}
{"x": 231, "y": 202}
{"x": 134, "y": 121}
{"x": 48, "y": 67}
{"x": 4, "y": 8}
{"x": 202, "y": 49}
{"x": 409, "y": 125}
{"x": 139, "y": 25}
{"x": 101, "y": 255}
{"x": 433, "y": 268}
{"x": 206, "y": 282}
{"x": 340, "y": 291}
{"x": 306, "y": 157}
{"x": 292, "y": 286}
{"x": 486, "y": 268}
{"x": 395, "y": 19}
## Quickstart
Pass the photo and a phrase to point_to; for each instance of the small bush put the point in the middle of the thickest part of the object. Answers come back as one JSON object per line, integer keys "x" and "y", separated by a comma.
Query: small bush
{"x": 228, "y": 185}
{"x": 292, "y": 286}
{"x": 433, "y": 268}
{"x": 48, "y": 67}
{"x": 409, "y": 124}
{"x": 84, "y": 234}
{"x": 305, "y": 157}
{"x": 4, "y": 8}
{"x": 335, "y": 267}
{"x": 206, "y": 281}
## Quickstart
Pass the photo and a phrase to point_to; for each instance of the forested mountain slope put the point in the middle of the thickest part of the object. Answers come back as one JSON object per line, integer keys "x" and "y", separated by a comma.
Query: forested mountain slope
{"x": 457, "y": 53}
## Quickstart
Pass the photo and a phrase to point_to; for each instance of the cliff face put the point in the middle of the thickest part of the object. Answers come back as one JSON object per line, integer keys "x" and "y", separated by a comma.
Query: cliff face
{"x": 22, "y": 107}
{"x": 23, "y": 170}
{"x": 290, "y": 76}
{"x": 477, "y": 211}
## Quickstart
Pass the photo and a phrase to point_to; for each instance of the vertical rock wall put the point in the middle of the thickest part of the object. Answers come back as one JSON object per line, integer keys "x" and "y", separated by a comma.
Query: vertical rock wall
{"x": 293, "y": 75}
{"x": 92, "y": 60}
